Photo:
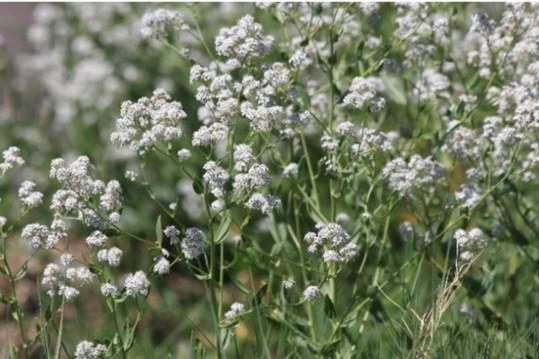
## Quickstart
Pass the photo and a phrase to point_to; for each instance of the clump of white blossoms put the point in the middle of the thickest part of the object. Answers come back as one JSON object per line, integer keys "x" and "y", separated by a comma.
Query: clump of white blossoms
{"x": 89, "y": 350}
{"x": 333, "y": 241}
{"x": 161, "y": 265}
{"x": 109, "y": 290}
{"x": 161, "y": 22}
{"x": 417, "y": 174}
{"x": 96, "y": 239}
{"x": 111, "y": 256}
{"x": 364, "y": 92}
{"x": 39, "y": 236}
{"x": 236, "y": 309}
{"x": 243, "y": 41}
{"x": 62, "y": 279}
{"x": 193, "y": 244}
{"x": 288, "y": 283}
{"x": 469, "y": 242}
{"x": 311, "y": 293}
{"x": 432, "y": 84}
{"x": 469, "y": 195}
{"x": 12, "y": 159}
{"x": 136, "y": 284}
{"x": 148, "y": 122}
{"x": 263, "y": 203}
{"x": 97, "y": 203}
{"x": 29, "y": 197}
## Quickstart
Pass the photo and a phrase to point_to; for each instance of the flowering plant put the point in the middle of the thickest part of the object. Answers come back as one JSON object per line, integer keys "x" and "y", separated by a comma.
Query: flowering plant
{"x": 348, "y": 176}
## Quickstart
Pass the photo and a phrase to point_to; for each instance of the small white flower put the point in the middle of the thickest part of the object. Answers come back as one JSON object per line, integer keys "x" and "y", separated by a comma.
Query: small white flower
{"x": 109, "y": 290}
{"x": 236, "y": 309}
{"x": 193, "y": 243}
{"x": 29, "y": 197}
{"x": 288, "y": 283}
{"x": 136, "y": 284}
{"x": 161, "y": 266}
{"x": 184, "y": 154}
{"x": 89, "y": 350}
{"x": 311, "y": 293}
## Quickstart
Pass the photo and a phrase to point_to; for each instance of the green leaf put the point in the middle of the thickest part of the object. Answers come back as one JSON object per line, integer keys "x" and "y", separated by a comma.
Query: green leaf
{"x": 22, "y": 271}
{"x": 111, "y": 232}
{"x": 198, "y": 186}
{"x": 259, "y": 295}
{"x": 329, "y": 308}
{"x": 159, "y": 231}
{"x": 239, "y": 285}
{"x": 223, "y": 230}
{"x": 330, "y": 348}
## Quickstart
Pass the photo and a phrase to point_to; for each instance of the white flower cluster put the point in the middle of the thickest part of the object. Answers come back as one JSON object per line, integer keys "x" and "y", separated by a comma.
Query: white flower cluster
{"x": 469, "y": 242}
{"x": 422, "y": 30}
{"x": 193, "y": 243}
{"x": 39, "y": 236}
{"x": 364, "y": 92}
{"x": 469, "y": 195}
{"x": 251, "y": 175}
{"x": 29, "y": 197}
{"x": 136, "y": 284}
{"x": 288, "y": 283}
{"x": 111, "y": 256}
{"x": 431, "y": 84}
{"x": 416, "y": 174}
{"x": 61, "y": 279}
{"x": 215, "y": 177}
{"x": 311, "y": 293}
{"x": 88, "y": 350}
{"x": 161, "y": 22}
{"x": 264, "y": 203}
{"x": 244, "y": 41}
{"x": 510, "y": 44}
{"x": 109, "y": 290}
{"x": 236, "y": 309}
{"x": 12, "y": 159}
{"x": 333, "y": 241}
{"x": 161, "y": 264}
{"x": 79, "y": 189}
{"x": 148, "y": 122}
{"x": 366, "y": 142}
{"x": 463, "y": 143}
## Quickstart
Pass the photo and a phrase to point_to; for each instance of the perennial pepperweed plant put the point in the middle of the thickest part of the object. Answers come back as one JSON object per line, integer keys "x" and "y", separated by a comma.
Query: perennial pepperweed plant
{"x": 279, "y": 180}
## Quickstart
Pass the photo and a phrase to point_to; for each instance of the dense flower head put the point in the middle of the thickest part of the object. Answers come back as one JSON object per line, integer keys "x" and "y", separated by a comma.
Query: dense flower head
{"x": 363, "y": 92}
{"x": 311, "y": 293}
{"x": 236, "y": 309}
{"x": 148, "y": 122}
{"x": 264, "y": 203}
{"x": 62, "y": 279}
{"x": 79, "y": 189}
{"x": 469, "y": 242}
{"x": 89, "y": 350}
{"x": 160, "y": 22}
{"x": 111, "y": 256}
{"x": 29, "y": 197}
{"x": 136, "y": 284}
{"x": 192, "y": 243}
{"x": 12, "y": 159}
{"x": 243, "y": 41}
{"x": 416, "y": 174}
{"x": 332, "y": 241}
